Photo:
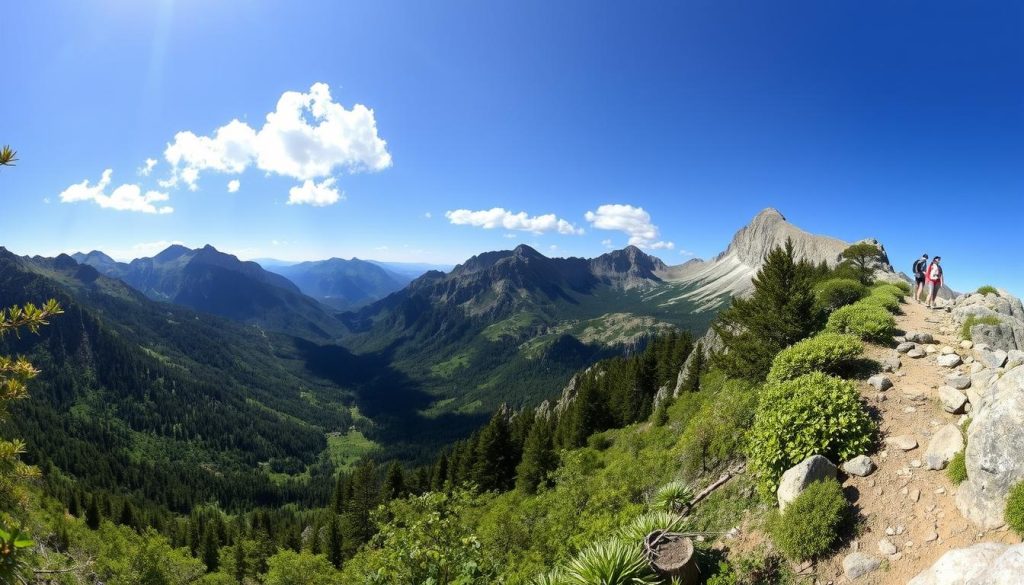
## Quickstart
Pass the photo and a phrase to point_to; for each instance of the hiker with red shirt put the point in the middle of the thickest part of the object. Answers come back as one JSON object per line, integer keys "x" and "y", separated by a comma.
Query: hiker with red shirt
{"x": 933, "y": 276}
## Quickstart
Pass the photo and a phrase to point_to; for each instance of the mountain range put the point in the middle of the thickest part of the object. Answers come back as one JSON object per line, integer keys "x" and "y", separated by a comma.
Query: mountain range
{"x": 344, "y": 284}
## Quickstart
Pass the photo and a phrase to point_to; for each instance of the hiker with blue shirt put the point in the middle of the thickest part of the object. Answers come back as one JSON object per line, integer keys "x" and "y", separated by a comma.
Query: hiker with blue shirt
{"x": 920, "y": 265}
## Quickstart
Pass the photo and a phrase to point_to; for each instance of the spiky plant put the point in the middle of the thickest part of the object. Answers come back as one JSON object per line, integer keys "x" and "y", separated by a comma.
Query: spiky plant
{"x": 637, "y": 530}
{"x": 552, "y": 577}
{"x": 610, "y": 563}
{"x": 8, "y": 156}
{"x": 673, "y": 497}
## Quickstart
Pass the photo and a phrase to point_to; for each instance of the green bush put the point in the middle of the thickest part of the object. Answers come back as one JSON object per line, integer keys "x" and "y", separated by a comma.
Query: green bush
{"x": 971, "y": 321}
{"x": 809, "y": 526}
{"x": 884, "y": 299}
{"x": 672, "y": 497}
{"x": 987, "y": 289}
{"x": 610, "y": 563}
{"x": 638, "y": 529}
{"x": 715, "y": 433}
{"x": 957, "y": 470}
{"x": 815, "y": 414}
{"x": 1015, "y": 509}
{"x": 825, "y": 352}
{"x": 896, "y": 289}
{"x": 864, "y": 320}
{"x": 838, "y": 292}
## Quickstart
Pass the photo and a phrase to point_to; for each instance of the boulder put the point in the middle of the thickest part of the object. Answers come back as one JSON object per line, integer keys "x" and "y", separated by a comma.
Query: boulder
{"x": 796, "y": 479}
{"x": 946, "y": 443}
{"x": 986, "y": 563}
{"x": 891, "y": 362}
{"x": 1014, "y": 358}
{"x": 858, "y": 564}
{"x": 949, "y": 360}
{"x": 995, "y": 451}
{"x": 916, "y": 353}
{"x": 920, "y": 337}
{"x": 1001, "y": 336}
{"x": 880, "y": 382}
{"x": 952, "y": 400}
{"x": 905, "y": 347}
{"x": 946, "y": 350}
{"x": 991, "y": 358}
{"x": 861, "y": 466}
{"x": 957, "y": 381}
{"x": 902, "y": 442}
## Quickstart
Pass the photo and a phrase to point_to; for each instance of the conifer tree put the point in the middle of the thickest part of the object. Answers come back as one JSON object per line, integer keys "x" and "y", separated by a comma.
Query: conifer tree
{"x": 92, "y": 514}
{"x": 127, "y": 515}
{"x": 539, "y": 457}
{"x": 587, "y": 414}
{"x": 338, "y": 497}
{"x": 334, "y": 542}
{"x": 365, "y": 496}
{"x": 211, "y": 549}
{"x": 780, "y": 312}
{"x": 440, "y": 475}
{"x": 691, "y": 379}
{"x": 494, "y": 467}
{"x": 394, "y": 482}
{"x": 241, "y": 567}
{"x": 863, "y": 258}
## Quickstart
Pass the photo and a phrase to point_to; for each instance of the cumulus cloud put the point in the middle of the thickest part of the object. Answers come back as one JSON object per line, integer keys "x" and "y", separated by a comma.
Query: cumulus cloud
{"x": 632, "y": 221}
{"x": 146, "y": 168}
{"x": 307, "y": 137}
{"x": 127, "y": 197}
{"x": 502, "y": 218}
{"x": 315, "y": 194}
{"x": 234, "y": 185}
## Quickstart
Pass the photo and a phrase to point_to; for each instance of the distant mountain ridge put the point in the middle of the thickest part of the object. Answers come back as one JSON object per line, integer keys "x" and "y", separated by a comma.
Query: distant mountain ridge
{"x": 343, "y": 284}
{"x": 211, "y": 281}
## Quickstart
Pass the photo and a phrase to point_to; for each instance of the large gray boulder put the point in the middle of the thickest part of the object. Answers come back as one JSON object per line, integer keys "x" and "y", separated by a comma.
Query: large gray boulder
{"x": 994, "y": 358}
{"x": 950, "y": 360}
{"x": 859, "y": 564}
{"x": 986, "y": 563}
{"x": 995, "y": 452}
{"x": 796, "y": 479}
{"x": 953, "y": 400}
{"x": 946, "y": 443}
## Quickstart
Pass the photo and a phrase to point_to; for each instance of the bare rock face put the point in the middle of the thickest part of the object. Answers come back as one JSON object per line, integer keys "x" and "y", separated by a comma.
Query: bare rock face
{"x": 995, "y": 452}
{"x": 1008, "y": 334}
{"x": 986, "y": 563}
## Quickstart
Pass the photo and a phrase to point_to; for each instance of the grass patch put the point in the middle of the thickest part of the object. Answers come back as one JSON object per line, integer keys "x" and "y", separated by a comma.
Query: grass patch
{"x": 971, "y": 321}
{"x": 957, "y": 470}
{"x": 988, "y": 289}
{"x": 447, "y": 368}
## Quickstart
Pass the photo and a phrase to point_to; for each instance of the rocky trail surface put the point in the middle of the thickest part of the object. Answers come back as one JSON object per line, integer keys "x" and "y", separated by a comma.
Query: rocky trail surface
{"x": 907, "y": 505}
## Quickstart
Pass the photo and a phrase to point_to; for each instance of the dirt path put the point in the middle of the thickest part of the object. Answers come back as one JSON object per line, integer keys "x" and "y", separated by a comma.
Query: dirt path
{"x": 915, "y": 505}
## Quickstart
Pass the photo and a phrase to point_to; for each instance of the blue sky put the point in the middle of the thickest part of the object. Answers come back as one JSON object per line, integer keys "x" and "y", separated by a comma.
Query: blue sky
{"x": 902, "y": 121}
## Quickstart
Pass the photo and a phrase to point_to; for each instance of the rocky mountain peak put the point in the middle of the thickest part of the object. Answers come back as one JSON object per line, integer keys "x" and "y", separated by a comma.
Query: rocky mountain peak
{"x": 172, "y": 252}
{"x": 769, "y": 229}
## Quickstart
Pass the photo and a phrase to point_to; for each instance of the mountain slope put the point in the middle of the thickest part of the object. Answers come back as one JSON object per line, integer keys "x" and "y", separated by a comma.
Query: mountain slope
{"x": 343, "y": 284}
{"x": 210, "y": 281}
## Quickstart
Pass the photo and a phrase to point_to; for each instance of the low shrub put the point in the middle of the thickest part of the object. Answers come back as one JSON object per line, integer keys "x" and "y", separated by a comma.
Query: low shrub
{"x": 884, "y": 299}
{"x": 838, "y": 292}
{"x": 825, "y": 352}
{"x": 609, "y": 563}
{"x": 1015, "y": 509}
{"x": 893, "y": 288}
{"x": 715, "y": 433}
{"x": 809, "y": 526}
{"x": 987, "y": 289}
{"x": 957, "y": 470}
{"x": 815, "y": 414}
{"x": 865, "y": 320}
{"x": 759, "y": 567}
{"x": 972, "y": 320}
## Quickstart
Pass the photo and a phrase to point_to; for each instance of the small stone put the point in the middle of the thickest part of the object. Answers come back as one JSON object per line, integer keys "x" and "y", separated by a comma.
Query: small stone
{"x": 967, "y": 344}
{"x": 916, "y": 353}
{"x": 940, "y": 491}
{"x": 915, "y": 495}
{"x": 902, "y": 442}
{"x": 886, "y": 548}
{"x": 878, "y": 491}
{"x": 930, "y": 349}
{"x": 858, "y": 564}
{"x": 861, "y": 466}
{"x": 915, "y": 463}
{"x": 905, "y": 490}
{"x": 880, "y": 382}
{"x": 958, "y": 381}
{"x": 946, "y": 350}
{"x": 920, "y": 337}
{"x": 953, "y": 400}
{"x": 948, "y": 361}
{"x": 909, "y": 410}
{"x": 930, "y": 536}
{"x": 890, "y": 531}
{"x": 894, "y": 557}
{"x": 881, "y": 397}
{"x": 901, "y": 529}
{"x": 905, "y": 347}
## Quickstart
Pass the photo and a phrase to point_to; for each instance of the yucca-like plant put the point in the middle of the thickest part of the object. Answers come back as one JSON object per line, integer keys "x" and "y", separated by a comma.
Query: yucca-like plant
{"x": 552, "y": 577}
{"x": 673, "y": 497}
{"x": 7, "y": 156}
{"x": 610, "y": 563}
{"x": 637, "y": 530}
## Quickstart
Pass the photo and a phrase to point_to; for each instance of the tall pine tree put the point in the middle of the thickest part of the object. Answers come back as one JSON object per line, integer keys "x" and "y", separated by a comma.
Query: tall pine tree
{"x": 494, "y": 465}
{"x": 691, "y": 378}
{"x": 394, "y": 482}
{"x": 539, "y": 457}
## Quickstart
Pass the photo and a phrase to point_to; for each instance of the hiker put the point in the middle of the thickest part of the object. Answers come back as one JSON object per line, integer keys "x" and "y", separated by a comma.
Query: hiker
{"x": 919, "y": 267}
{"x": 934, "y": 279}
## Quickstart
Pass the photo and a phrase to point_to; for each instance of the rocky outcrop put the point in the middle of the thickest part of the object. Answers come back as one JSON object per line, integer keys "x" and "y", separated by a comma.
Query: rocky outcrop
{"x": 987, "y": 563}
{"x": 995, "y": 451}
{"x": 1006, "y": 335}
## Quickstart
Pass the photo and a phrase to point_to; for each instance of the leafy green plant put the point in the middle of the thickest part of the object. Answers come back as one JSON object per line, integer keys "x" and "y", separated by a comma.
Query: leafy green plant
{"x": 897, "y": 289}
{"x": 825, "y": 352}
{"x": 638, "y": 529}
{"x": 760, "y": 567}
{"x": 865, "y": 320}
{"x": 838, "y": 292}
{"x": 13, "y": 549}
{"x": 972, "y": 320}
{"x": 884, "y": 299}
{"x": 957, "y": 469}
{"x": 716, "y": 432}
{"x": 1015, "y": 509}
{"x": 815, "y": 414}
{"x": 809, "y": 526}
{"x": 610, "y": 563}
{"x": 987, "y": 289}
{"x": 672, "y": 497}
{"x": 552, "y": 577}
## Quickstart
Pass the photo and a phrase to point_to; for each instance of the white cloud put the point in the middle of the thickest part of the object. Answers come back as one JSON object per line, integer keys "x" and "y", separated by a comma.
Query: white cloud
{"x": 315, "y": 194}
{"x": 307, "y": 137}
{"x": 428, "y": 215}
{"x": 607, "y": 244}
{"x": 632, "y": 221}
{"x": 685, "y": 253}
{"x": 147, "y": 168}
{"x": 127, "y": 197}
{"x": 510, "y": 236}
{"x": 234, "y": 185}
{"x": 502, "y": 218}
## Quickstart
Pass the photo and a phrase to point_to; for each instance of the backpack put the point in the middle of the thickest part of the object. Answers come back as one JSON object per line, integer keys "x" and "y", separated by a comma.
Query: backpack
{"x": 919, "y": 266}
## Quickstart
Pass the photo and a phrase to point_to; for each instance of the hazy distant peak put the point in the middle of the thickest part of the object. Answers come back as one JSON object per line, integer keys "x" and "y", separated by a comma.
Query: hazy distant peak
{"x": 172, "y": 252}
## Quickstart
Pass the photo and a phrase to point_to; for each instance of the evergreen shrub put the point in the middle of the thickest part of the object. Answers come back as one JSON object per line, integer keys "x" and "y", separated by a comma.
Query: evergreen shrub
{"x": 957, "y": 469}
{"x": 987, "y": 289}
{"x": 867, "y": 321}
{"x": 809, "y": 526}
{"x": 838, "y": 292}
{"x": 884, "y": 299}
{"x": 1015, "y": 509}
{"x": 825, "y": 352}
{"x": 972, "y": 320}
{"x": 815, "y": 414}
